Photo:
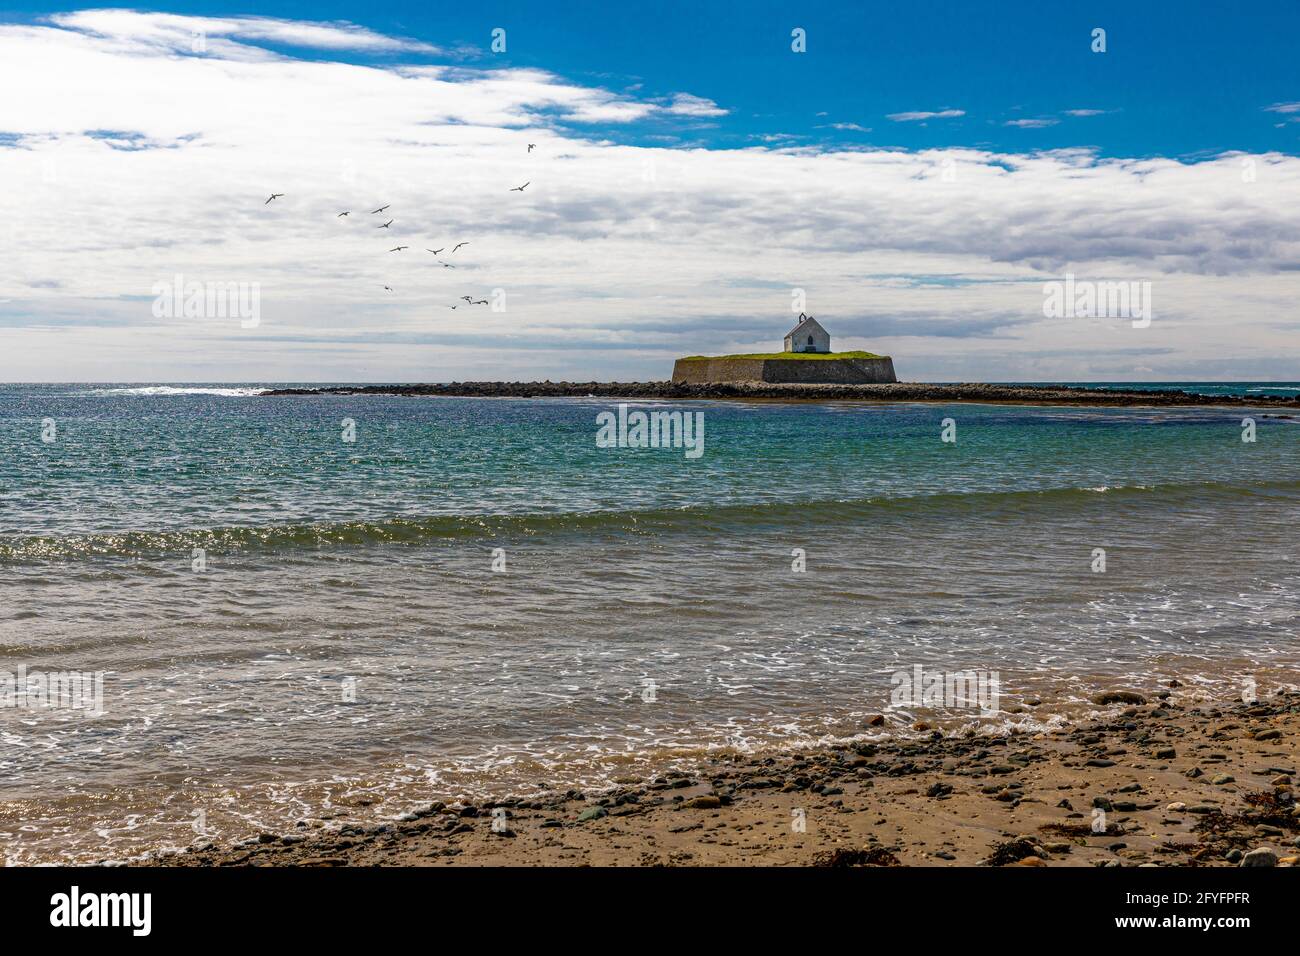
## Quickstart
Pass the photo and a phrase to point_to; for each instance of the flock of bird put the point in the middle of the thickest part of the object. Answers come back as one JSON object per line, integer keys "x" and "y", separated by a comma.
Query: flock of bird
{"x": 470, "y": 300}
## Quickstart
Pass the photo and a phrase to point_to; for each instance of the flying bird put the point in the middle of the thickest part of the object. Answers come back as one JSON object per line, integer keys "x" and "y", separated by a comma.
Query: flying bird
{"x": 434, "y": 251}
{"x": 342, "y": 214}
{"x": 273, "y": 196}
{"x": 479, "y": 302}
{"x": 389, "y": 288}
{"x": 467, "y": 298}
{"x": 519, "y": 189}
{"x": 447, "y": 265}
{"x": 380, "y": 209}
{"x": 385, "y": 225}
{"x": 459, "y": 244}
{"x": 398, "y": 248}
{"x": 531, "y": 147}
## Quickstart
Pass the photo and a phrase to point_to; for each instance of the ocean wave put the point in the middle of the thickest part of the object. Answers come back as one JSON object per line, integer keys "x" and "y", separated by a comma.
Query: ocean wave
{"x": 654, "y": 521}
{"x": 242, "y": 392}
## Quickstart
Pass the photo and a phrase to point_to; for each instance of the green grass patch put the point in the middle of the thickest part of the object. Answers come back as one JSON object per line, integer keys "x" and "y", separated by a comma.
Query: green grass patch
{"x": 797, "y": 356}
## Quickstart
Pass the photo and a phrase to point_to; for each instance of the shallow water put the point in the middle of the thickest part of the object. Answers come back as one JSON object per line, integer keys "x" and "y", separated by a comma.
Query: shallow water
{"x": 349, "y": 647}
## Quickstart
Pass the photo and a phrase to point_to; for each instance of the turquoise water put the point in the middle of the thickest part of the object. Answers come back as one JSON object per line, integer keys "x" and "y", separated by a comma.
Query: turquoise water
{"x": 1246, "y": 389}
{"x": 348, "y": 641}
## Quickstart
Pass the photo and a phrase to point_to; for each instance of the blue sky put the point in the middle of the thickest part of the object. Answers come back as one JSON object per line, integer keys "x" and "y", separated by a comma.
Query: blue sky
{"x": 1179, "y": 79}
{"x": 917, "y": 175}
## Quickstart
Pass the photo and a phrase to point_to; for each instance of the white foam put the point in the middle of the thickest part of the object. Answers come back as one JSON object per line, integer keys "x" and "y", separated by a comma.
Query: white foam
{"x": 183, "y": 390}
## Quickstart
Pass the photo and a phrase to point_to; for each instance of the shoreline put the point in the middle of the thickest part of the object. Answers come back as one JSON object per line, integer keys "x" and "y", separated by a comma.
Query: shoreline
{"x": 975, "y": 393}
{"x": 1174, "y": 782}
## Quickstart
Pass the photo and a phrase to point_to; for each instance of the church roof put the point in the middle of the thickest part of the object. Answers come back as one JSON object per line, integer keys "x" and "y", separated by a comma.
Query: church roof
{"x": 805, "y": 321}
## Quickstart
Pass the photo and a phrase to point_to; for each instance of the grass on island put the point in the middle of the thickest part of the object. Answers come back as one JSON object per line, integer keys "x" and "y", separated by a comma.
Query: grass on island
{"x": 800, "y": 356}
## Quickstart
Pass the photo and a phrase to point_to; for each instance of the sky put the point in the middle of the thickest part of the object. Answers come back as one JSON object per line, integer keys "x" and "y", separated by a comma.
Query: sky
{"x": 914, "y": 175}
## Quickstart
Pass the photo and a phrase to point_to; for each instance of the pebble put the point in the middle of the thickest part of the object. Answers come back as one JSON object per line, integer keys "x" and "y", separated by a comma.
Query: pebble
{"x": 1118, "y": 697}
{"x": 1262, "y": 856}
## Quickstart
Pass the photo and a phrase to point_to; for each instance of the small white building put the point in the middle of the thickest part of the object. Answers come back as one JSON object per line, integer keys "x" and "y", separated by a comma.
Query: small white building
{"x": 807, "y": 336}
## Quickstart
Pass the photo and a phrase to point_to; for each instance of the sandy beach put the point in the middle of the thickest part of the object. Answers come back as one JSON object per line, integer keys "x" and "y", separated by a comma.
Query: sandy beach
{"x": 1161, "y": 780}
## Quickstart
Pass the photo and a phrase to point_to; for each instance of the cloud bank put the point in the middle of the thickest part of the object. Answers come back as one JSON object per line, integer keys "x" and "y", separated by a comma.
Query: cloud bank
{"x": 133, "y": 158}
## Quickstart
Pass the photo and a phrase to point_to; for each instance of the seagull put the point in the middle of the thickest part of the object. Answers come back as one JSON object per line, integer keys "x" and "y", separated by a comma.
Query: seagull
{"x": 467, "y": 298}
{"x": 398, "y": 248}
{"x": 459, "y": 244}
{"x": 531, "y": 147}
{"x": 479, "y": 302}
{"x": 389, "y": 288}
{"x": 519, "y": 189}
{"x": 447, "y": 265}
{"x": 380, "y": 209}
{"x": 451, "y": 307}
{"x": 273, "y": 196}
{"x": 385, "y": 225}
{"x": 434, "y": 251}
{"x": 342, "y": 214}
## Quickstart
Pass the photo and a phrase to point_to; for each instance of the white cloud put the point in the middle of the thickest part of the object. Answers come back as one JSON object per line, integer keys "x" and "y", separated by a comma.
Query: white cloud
{"x": 1031, "y": 123}
{"x": 180, "y": 32}
{"x": 684, "y": 104}
{"x": 127, "y": 162}
{"x": 1086, "y": 112}
{"x": 1283, "y": 108}
{"x": 918, "y": 115}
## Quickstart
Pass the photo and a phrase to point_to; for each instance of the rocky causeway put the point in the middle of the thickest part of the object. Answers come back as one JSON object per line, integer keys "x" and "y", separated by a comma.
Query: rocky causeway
{"x": 766, "y": 391}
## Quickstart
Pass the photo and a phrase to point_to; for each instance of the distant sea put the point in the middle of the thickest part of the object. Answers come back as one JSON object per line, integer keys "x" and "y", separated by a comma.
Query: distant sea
{"x": 1246, "y": 389}
{"x": 471, "y": 597}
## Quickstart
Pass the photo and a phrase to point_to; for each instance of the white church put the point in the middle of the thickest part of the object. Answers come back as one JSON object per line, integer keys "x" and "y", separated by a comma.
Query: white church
{"x": 807, "y": 336}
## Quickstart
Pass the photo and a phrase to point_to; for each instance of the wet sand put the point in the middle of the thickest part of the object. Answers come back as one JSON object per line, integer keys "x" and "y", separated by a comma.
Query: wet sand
{"x": 1164, "y": 779}
{"x": 977, "y": 393}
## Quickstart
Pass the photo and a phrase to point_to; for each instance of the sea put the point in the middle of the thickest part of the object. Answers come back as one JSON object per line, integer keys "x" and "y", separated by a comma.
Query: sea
{"x": 223, "y": 612}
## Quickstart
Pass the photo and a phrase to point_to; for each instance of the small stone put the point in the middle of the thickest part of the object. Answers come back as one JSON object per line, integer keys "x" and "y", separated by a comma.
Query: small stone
{"x": 1165, "y": 753}
{"x": 1223, "y": 778}
{"x": 1262, "y": 856}
{"x": 1099, "y": 762}
{"x": 1268, "y": 735}
{"x": 875, "y": 721}
{"x": 705, "y": 802}
{"x": 592, "y": 813}
{"x": 1118, "y": 697}
{"x": 1176, "y": 807}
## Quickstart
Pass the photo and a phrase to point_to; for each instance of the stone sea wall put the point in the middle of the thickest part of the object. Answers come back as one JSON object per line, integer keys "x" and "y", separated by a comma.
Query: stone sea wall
{"x": 843, "y": 371}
